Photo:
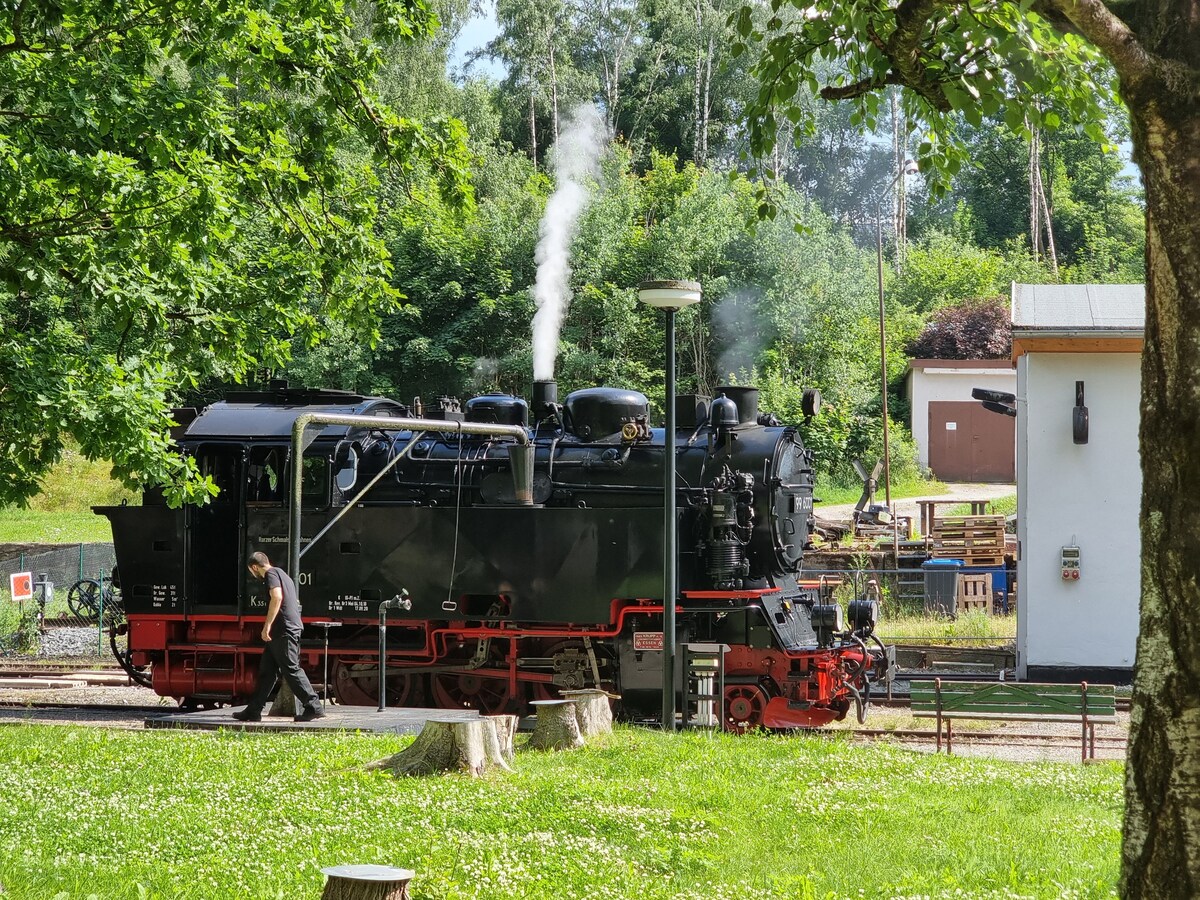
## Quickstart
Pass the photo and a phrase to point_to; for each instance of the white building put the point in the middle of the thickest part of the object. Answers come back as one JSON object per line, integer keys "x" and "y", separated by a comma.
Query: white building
{"x": 956, "y": 438}
{"x": 1079, "y": 481}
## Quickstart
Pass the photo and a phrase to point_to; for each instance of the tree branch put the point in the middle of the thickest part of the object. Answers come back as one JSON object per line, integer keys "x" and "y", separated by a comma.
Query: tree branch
{"x": 1138, "y": 68}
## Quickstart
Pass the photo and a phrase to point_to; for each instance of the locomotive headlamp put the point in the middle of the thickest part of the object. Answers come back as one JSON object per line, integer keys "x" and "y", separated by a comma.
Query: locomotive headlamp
{"x": 670, "y": 297}
{"x": 826, "y": 622}
{"x": 864, "y": 615}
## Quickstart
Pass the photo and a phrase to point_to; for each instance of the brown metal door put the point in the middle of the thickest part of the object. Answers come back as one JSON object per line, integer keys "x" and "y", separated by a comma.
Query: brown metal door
{"x": 969, "y": 443}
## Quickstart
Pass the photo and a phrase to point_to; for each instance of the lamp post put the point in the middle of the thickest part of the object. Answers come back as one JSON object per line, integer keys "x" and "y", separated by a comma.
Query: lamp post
{"x": 670, "y": 297}
{"x": 909, "y": 168}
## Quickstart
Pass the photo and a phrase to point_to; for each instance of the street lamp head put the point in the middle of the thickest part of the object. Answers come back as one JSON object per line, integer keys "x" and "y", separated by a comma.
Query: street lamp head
{"x": 910, "y": 167}
{"x": 674, "y": 295}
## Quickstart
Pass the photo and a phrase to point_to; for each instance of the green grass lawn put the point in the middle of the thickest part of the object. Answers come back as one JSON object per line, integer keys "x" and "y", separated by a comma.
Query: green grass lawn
{"x": 638, "y": 814}
{"x": 62, "y": 512}
{"x": 988, "y": 630}
{"x": 1001, "y": 506}
{"x": 831, "y": 493}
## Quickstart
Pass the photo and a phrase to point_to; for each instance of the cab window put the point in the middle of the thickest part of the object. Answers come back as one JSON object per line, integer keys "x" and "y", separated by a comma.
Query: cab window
{"x": 315, "y": 482}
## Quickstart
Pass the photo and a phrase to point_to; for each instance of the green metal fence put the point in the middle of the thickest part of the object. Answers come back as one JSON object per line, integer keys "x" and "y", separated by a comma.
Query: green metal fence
{"x": 71, "y": 587}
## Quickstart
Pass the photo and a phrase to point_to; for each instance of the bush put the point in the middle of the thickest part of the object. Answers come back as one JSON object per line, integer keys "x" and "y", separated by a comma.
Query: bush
{"x": 974, "y": 329}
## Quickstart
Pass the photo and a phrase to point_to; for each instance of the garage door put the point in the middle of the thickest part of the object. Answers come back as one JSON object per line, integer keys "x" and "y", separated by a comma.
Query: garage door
{"x": 969, "y": 443}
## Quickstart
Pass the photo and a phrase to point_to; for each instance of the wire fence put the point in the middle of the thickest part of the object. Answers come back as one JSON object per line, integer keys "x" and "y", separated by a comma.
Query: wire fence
{"x": 74, "y": 601}
{"x": 918, "y": 591}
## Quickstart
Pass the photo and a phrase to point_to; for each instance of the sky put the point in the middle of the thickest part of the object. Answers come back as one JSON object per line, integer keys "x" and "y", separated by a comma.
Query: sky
{"x": 481, "y": 29}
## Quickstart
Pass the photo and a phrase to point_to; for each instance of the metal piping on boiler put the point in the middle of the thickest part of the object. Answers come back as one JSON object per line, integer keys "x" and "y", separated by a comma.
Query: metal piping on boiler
{"x": 523, "y": 489}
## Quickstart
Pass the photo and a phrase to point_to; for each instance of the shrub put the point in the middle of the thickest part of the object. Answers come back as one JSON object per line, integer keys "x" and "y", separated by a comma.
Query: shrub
{"x": 975, "y": 329}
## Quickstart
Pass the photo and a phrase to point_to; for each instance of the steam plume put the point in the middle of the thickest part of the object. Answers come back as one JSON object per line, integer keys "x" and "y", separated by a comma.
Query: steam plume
{"x": 737, "y": 323}
{"x": 575, "y": 156}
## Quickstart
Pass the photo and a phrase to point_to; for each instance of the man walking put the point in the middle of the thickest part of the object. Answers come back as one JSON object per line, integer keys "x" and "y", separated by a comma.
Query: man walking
{"x": 281, "y": 632}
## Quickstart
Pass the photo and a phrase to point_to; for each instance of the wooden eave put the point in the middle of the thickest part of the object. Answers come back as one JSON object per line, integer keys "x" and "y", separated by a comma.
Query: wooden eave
{"x": 1076, "y": 341}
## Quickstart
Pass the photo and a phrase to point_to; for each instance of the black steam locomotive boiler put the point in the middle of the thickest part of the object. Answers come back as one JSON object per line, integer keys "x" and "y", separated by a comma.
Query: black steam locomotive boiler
{"x": 498, "y": 589}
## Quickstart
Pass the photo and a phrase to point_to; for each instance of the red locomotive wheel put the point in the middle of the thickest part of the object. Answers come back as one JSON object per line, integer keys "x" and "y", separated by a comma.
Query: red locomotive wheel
{"x": 357, "y": 684}
{"x": 744, "y": 707}
{"x": 466, "y": 690}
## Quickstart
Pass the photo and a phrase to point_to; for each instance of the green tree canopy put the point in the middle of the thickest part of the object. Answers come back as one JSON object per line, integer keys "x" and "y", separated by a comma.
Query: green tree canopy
{"x": 185, "y": 186}
{"x": 1042, "y": 64}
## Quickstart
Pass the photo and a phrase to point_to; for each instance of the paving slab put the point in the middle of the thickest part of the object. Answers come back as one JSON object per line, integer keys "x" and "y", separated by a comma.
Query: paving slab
{"x": 393, "y": 720}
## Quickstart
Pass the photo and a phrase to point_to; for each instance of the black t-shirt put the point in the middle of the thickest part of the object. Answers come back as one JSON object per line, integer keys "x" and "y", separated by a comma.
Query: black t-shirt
{"x": 289, "y": 611}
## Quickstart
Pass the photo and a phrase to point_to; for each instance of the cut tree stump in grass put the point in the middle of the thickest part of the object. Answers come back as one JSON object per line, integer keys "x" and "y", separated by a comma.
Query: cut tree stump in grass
{"x": 557, "y": 727}
{"x": 592, "y": 711}
{"x": 469, "y": 745}
{"x": 285, "y": 701}
{"x": 504, "y": 732}
{"x": 366, "y": 883}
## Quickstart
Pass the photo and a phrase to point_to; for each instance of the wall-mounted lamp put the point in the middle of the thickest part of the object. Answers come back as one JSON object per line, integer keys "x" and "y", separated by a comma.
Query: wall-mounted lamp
{"x": 1079, "y": 417}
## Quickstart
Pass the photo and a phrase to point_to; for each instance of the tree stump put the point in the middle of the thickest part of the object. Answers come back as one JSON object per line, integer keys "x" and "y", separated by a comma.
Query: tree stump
{"x": 557, "y": 727}
{"x": 366, "y": 883}
{"x": 504, "y": 733}
{"x": 592, "y": 711}
{"x": 468, "y": 745}
{"x": 285, "y": 701}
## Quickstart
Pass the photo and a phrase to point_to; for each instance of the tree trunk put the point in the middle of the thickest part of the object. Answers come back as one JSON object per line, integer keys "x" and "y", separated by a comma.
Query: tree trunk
{"x": 696, "y": 83}
{"x": 1035, "y": 228}
{"x": 366, "y": 883}
{"x": 557, "y": 727}
{"x": 1161, "y": 852}
{"x": 706, "y": 103}
{"x": 592, "y": 711}
{"x": 533, "y": 123}
{"x": 1048, "y": 217}
{"x": 468, "y": 745}
{"x": 553, "y": 89}
{"x": 500, "y": 736}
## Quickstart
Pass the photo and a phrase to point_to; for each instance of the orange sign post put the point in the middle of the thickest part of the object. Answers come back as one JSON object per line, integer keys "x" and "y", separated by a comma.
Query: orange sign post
{"x": 20, "y": 585}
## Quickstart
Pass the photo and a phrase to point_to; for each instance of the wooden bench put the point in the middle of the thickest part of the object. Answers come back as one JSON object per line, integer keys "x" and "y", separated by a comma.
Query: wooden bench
{"x": 1015, "y": 701}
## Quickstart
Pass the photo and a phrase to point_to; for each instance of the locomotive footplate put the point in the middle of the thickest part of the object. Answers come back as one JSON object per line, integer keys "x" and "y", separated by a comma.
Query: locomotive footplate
{"x": 751, "y": 594}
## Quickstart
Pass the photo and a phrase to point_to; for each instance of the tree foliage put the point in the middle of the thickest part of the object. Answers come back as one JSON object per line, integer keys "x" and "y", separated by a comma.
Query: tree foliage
{"x": 980, "y": 329}
{"x": 187, "y": 185}
{"x": 1039, "y": 65}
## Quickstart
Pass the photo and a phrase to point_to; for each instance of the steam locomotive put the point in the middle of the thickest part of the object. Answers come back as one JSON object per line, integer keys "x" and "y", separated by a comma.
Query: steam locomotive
{"x": 510, "y": 564}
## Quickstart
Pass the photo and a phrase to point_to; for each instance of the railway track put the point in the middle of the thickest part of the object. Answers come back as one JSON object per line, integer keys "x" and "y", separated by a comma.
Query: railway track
{"x": 51, "y": 669}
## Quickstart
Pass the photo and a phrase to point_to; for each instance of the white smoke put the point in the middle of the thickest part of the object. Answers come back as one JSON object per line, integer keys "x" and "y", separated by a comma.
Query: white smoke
{"x": 485, "y": 374}
{"x": 575, "y": 158}
{"x": 737, "y": 324}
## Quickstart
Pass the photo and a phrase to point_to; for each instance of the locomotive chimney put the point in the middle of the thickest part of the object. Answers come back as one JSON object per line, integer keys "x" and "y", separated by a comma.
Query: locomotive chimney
{"x": 746, "y": 399}
{"x": 545, "y": 400}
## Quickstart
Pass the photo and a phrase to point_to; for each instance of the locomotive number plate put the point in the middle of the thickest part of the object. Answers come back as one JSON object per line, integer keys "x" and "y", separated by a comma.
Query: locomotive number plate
{"x": 647, "y": 640}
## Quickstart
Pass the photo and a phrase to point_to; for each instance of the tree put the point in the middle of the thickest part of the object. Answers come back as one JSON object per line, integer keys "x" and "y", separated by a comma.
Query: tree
{"x": 1042, "y": 62}
{"x": 186, "y": 186}
{"x": 979, "y": 329}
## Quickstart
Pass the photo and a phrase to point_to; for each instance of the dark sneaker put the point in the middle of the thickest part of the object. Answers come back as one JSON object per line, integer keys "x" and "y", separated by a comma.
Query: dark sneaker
{"x": 313, "y": 712}
{"x": 248, "y": 715}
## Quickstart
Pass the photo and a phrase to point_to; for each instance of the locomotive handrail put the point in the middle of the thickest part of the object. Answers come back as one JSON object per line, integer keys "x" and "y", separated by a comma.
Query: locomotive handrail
{"x": 522, "y": 469}
{"x": 391, "y": 463}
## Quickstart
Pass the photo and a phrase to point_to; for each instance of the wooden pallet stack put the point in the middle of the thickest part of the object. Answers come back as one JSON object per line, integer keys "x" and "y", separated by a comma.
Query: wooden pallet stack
{"x": 974, "y": 592}
{"x": 976, "y": 540}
